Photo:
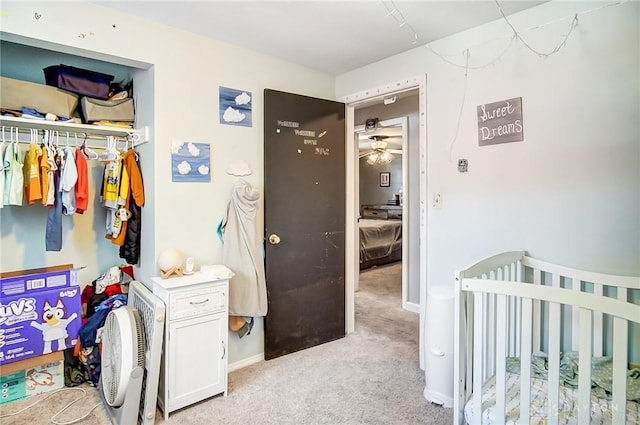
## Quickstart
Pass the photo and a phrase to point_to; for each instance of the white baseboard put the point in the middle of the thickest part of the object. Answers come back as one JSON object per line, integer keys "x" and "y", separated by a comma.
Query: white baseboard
{"x": 246, "y": 362}
{"x": 413, "y": 307}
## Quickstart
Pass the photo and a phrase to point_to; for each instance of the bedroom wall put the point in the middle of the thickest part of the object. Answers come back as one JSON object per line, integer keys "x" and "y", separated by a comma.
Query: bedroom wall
{"x": 370, "y": 191}
{"x": 179, "y": 101}
{"x": 570, "y": 192}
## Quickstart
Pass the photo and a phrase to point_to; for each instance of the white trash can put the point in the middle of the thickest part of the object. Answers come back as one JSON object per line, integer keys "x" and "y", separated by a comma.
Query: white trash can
{"x": 439, "y": 345}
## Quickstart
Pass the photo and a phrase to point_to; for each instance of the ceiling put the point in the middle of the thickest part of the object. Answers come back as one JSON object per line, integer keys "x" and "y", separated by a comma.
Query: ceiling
{"x": 333, "y": 37}
{"x": 392, "y": 136}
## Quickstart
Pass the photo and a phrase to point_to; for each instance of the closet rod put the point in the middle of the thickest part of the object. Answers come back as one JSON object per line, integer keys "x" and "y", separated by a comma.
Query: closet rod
{"x": 72, "y": 142}
{"x": 62, "y": 140}
{"x": 138, "y": 135}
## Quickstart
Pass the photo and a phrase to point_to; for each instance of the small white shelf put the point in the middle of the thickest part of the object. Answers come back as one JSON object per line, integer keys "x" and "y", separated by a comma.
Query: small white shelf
{"x": 139, "y": 135}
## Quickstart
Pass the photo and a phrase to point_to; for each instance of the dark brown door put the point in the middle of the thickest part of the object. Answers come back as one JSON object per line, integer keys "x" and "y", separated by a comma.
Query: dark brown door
{"x": 304, "y": 221}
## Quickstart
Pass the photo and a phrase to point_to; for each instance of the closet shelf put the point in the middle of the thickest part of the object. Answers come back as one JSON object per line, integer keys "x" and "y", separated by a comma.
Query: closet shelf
{"x": 139, "y": 135}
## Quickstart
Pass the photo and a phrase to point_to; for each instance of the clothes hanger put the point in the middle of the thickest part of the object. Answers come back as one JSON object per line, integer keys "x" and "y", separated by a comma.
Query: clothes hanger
{"x": 131, "y": 138}
{"x": 47, "y": 140}
{"x": 4, "y": 142}
{"x": 88, "y": 152}
{"x": 14, "y": 141}
{"x": 111, "y": 154}
{"x": 15, "y": 151}
{"x": 34, "y": 141}
{"x": 125, "y": 145}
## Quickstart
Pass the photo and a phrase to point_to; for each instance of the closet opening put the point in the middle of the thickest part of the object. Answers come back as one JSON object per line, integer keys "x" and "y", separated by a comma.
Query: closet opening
{"x": 84, "y": 242}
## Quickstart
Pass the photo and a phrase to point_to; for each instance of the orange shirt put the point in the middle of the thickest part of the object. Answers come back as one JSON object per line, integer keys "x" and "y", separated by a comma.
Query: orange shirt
{"x": 31, "y": 169}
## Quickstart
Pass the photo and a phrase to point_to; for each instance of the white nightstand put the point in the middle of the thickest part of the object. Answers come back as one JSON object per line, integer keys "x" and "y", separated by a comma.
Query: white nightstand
{"x": 194, "y": 359}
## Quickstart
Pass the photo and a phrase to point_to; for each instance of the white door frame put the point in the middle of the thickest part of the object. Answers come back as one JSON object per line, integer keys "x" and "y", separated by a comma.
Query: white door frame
{"x": 403, "y": 123}
{"x": 352, "y": 267}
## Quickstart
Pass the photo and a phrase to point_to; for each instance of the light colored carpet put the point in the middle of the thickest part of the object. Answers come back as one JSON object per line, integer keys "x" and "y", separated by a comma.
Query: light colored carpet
{"x": 369, "y": 377}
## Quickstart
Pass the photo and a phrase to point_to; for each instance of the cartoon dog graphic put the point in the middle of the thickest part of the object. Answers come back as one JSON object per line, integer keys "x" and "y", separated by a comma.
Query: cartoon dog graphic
{"x": 54, "y": 327}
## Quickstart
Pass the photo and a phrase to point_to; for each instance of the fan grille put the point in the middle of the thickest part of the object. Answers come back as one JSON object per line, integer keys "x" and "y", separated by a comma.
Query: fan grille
{"x": 122, "y": 349}
{"x": 140, "y": 337}
{"x": 110, "y": 358}
{"x": 151, "y": 311}
{"x": 146, "y": 313}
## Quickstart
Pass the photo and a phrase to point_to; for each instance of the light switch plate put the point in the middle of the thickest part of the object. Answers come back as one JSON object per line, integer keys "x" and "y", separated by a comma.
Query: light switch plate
{"x": 437, "y": 201}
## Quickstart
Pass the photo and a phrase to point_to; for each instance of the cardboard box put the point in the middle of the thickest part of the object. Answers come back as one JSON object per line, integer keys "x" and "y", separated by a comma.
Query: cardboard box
{"x": 32, "y": 376}
{"x": 39, "y": 313}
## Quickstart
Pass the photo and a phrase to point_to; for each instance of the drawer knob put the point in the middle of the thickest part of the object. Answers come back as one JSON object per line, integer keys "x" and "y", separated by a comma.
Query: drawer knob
{"x": 274, "y": 239}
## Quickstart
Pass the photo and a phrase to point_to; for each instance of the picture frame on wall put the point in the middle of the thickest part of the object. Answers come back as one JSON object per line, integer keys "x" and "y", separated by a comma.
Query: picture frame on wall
{"x": 385, "y": 179}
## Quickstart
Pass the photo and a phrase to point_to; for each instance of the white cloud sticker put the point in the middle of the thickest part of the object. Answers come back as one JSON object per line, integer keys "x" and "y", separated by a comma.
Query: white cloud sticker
{"x": 184, "y": 167}
{"x": 203, "y": 169}
{"x": 233, "y": 115}
{"x": 243, "y": 99}
{"x": 193, "y": 149}
{"x": 239, "y": 168}
{"x": 176, "y": 146}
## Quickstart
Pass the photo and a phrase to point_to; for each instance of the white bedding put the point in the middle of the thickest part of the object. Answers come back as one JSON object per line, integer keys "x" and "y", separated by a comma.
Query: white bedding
{"x": 600, "y": 408}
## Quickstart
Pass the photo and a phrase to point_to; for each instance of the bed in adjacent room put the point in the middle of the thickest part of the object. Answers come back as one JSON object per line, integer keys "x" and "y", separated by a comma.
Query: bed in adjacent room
{"x": 380, "y": 238}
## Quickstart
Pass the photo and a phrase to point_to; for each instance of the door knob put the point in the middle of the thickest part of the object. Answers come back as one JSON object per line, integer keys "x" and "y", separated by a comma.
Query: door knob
{"x": 274, "y": 239}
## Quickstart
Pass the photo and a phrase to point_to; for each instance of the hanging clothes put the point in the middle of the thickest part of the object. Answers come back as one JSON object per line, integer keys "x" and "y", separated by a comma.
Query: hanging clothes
{"x": 44, "y": 174}
{"x": 68, "y": 179}
{"x": 111, "y": 184}
{"x": 129, "y": 237}
{"x": 82, "y": 184}
{"x": 14, "y": 178}
{"x": 115, "y": 191}
{"x": 31, "y": 169}
{"x": 3, "y": 147}
{"x": 242, "y": 253}
{"x": 52, "y": 169}
{"x": 53, "y": 231}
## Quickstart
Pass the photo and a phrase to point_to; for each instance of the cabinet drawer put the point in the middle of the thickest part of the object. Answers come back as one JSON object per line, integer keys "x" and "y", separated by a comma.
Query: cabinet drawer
{"x": 196, "y": 302}
{"x": 374, "y": 213}
{"x": 395, "y": 214}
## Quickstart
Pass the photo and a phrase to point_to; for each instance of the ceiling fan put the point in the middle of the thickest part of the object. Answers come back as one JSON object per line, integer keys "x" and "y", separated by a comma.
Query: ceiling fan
{"x": 379, "y": 152}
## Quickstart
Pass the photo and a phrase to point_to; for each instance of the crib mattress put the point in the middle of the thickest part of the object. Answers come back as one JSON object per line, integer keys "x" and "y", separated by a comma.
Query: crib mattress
{"x": 600, "y": 408}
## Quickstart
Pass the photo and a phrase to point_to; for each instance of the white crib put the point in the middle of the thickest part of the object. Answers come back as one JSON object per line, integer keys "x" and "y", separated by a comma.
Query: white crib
{"x": 510, "y": 305}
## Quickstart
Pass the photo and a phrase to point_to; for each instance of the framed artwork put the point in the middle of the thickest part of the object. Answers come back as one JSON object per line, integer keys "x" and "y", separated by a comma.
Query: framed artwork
{"x": 235, "y": 107}
{"x": 385, "y": 179}
{"x": 190, "y": 162}
{"x": 500, "y": 122}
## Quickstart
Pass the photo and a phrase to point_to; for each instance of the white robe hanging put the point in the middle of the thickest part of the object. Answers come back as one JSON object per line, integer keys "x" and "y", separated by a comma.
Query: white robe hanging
{"x": 242, "y": 253}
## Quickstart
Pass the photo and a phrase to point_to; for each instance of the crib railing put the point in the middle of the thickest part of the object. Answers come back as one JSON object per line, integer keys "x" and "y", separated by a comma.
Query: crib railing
{"x": 505, "y": 266}
{"x": 496, "y": 318}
